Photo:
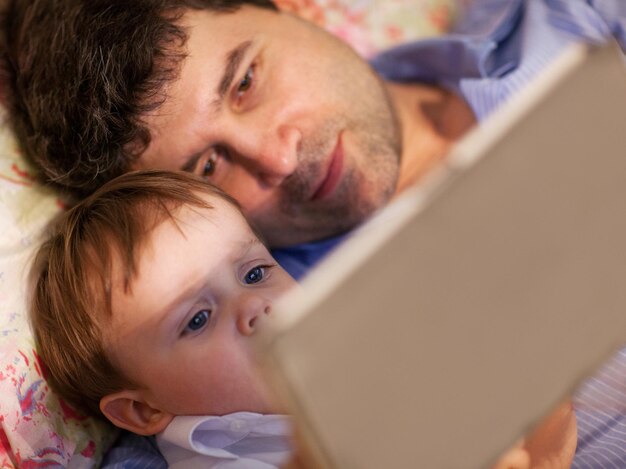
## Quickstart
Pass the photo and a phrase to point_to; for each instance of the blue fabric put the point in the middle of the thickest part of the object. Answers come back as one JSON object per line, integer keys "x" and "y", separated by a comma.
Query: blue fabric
{"x": 298, "y": 260}
{"x": 132, "y": 451}
{"x": 498, "y": 48}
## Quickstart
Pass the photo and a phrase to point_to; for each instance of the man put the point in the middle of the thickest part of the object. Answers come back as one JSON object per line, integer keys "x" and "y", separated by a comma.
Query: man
{"x": 286, "y": 118}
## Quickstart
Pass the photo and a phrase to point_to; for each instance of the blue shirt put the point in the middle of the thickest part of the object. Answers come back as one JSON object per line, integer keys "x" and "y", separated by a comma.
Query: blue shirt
{"x": 499, "y": 46}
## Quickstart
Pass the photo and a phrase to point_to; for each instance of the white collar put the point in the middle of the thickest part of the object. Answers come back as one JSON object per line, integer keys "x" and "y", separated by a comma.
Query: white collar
{"x": 243, "y": 439}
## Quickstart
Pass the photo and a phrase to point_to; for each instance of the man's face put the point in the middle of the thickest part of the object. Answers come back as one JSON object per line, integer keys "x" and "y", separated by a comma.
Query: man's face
{"x": 184, "y": 330}
{"x": 284, "y": 117}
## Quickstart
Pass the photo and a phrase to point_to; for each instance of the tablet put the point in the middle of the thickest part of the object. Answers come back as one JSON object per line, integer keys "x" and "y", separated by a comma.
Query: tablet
{"x": 466, "y": 309}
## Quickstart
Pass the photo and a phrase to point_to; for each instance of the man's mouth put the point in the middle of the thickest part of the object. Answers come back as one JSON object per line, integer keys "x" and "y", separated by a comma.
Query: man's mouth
{"x": 332, "y": 174}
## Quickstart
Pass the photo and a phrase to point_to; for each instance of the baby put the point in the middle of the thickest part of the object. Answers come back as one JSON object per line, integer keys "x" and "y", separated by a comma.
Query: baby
{"x": 147, "y": 297}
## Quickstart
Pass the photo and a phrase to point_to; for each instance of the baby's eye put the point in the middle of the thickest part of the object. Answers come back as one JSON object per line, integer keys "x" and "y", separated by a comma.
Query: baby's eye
{"x": 198, "y": 321}
{"x": 246, "y": 81}
{"x": 209, "y": 167}
{"x": 255, "y": 275}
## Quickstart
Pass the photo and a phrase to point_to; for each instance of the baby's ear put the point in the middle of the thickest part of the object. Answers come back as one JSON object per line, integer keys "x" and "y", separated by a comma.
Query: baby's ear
{"x": 130, "y": 411}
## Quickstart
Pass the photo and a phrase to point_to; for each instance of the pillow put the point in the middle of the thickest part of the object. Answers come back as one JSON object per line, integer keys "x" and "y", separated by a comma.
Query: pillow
{"x": 372, "y": 25}
{"x": 37, "y": 428}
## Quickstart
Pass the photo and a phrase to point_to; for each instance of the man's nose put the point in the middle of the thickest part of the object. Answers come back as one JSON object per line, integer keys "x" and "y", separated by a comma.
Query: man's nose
{"x": 274, "y": 156}
{"x": 252, "y": 309}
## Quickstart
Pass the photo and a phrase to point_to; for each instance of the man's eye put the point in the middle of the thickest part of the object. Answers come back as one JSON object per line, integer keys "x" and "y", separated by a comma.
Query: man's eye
{"x": 255, "y": 275}
{"x": 246, "y": 81}
{"x": 209, "y": 166}
{"x": 198, "y": 321}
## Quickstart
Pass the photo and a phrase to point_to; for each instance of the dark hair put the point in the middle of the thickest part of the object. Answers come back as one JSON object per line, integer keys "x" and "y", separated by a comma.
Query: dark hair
{"x": 71, "y": 275}
{"x": 80, "y": 74}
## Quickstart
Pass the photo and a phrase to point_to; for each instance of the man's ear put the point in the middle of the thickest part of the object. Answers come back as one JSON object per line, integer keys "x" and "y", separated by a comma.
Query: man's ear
{"x": 130, "y": 411}
{"x": 305, "y": 9}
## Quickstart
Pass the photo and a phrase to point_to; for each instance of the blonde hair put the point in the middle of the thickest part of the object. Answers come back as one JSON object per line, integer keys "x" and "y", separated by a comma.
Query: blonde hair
{"x": 71, "y": 276}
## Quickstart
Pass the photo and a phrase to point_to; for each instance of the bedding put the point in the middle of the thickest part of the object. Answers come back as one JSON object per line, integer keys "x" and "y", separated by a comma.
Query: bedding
{"x": 372, "y": 25}
{"x": 37, "y": 429}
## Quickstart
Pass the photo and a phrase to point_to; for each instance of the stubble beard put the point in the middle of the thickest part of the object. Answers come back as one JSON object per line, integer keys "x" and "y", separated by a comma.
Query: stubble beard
{"x": 370, "y": 174}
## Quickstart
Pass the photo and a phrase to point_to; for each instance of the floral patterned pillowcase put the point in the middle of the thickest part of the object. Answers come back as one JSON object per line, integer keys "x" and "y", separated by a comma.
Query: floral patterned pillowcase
{"x": 372, "y": 25}
{"x": 36, "y": 428}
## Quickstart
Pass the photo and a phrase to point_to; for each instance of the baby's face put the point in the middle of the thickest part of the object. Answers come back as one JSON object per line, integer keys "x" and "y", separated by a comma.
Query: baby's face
{"x": 184, "y": 329}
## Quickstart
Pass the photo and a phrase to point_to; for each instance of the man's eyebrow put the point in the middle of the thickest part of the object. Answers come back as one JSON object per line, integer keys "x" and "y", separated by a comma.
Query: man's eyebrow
{"x": 233, "y": 61}
{"x": 191, "y": 161}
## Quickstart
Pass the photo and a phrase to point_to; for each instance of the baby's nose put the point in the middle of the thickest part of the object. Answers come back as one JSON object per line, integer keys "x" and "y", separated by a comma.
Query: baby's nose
{"x": 252, "y": 310}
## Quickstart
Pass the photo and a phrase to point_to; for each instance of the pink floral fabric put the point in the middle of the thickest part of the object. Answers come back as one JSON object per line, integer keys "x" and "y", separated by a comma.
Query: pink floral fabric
{"x": 37, "y": 429}
{"x": 372, "y": 25}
